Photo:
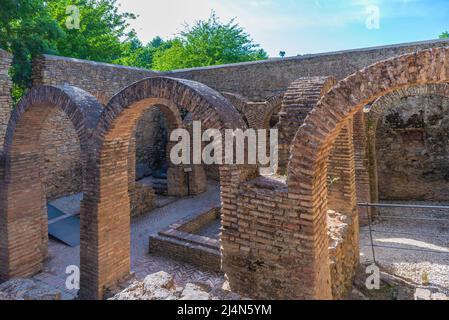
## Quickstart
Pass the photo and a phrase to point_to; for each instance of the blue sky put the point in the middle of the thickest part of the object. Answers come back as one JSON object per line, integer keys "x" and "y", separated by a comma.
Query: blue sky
{"x": 301, "y": 27}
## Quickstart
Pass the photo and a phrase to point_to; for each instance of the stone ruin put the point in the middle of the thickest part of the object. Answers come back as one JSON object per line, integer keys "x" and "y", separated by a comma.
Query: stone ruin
{"x": 103, "y": 130}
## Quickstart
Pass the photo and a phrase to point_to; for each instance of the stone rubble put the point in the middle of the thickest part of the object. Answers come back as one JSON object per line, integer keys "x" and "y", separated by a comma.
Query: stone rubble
{"x": 161, "y": 286}
{"x": 26, "y": 289}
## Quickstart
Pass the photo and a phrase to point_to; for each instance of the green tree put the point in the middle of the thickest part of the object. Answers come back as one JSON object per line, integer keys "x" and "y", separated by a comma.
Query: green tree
{"x": 103, "y": 32}
{"x": 444, "y": 35}
{"x": 135, "y": 54}
{"x": 32, "y": 27}
{"x": 208, "y": 43}
{"x": 26, "y": 30}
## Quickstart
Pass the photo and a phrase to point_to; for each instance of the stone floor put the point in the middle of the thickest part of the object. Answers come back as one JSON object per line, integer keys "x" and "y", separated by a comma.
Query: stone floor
{"x": 142, "y": 263}
{"x": 413, "y": 238}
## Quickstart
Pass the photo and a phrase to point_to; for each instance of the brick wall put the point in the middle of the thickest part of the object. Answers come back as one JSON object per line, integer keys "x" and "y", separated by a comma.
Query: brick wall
{"x": 62, "y": 163}
{"x": 361, "y": 157}
{"x": 300, "y": 98}
{"x": 5, "y": 94}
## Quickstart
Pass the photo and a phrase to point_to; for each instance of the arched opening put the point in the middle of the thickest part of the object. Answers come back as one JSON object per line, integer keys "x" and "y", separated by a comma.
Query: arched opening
{"x": 407, "y": 138}
{"x": 106, "y": 242}
{"x": 408, "y": 132}
{"x": 25, "y": 184}
{"x": 288, "y": 256}
{"x": 314, "y": 140}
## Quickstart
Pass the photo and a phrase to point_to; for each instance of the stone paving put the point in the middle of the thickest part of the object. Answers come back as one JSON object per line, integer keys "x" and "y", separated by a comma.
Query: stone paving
{"x": 142, "y": 263}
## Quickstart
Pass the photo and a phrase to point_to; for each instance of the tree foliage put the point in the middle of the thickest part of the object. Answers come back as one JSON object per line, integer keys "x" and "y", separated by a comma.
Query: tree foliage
{"x": 102, "y": 30}
{"x": 32, "y": 27}
{"x": 26, "y": 29}
{"x": 208, "y": 43}
{"x": 444, "y": 35}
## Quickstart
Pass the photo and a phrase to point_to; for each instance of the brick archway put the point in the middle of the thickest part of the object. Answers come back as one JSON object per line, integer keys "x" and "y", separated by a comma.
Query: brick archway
{"x": 105, "y": 240}
{"x": 274, "y": 105}
{"x": 23, "y": 225}
{"x": 314, "y": 140}
{"x": 300, "y": 98}
{"x": 378, "y": 109}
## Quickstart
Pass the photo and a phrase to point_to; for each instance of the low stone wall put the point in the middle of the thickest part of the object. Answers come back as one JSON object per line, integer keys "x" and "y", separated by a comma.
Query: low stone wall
{"x": 5, "y": 93}
{"x": 180, "y": 242}
{"x": 257, "y": 81}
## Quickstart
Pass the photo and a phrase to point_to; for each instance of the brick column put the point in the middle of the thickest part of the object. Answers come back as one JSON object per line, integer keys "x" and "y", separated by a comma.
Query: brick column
{"x": 362, "y": 177}
{"x": 341, "y": 198}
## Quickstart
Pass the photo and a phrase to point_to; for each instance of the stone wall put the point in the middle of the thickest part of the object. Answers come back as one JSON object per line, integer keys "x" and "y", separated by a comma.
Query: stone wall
{"x": 412, "y": 149}
{"x": 100, "y": 79}
{"x": 5, "y": 93}
{"x": 259, "y": 80}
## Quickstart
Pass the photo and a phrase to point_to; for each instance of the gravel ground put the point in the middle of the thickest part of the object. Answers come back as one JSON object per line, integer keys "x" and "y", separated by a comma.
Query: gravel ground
{"x": 422, "y": 256}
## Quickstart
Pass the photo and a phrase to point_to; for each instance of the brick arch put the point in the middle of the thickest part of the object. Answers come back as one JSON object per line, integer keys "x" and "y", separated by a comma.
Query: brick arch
{"x": 385, "y": 102}
{"x": 23, "y": 225}
{"x": 105, "y": 242}
{"x": 274, "y": 105}
{"x": 300, "y": 98}
{"x": 378, "y": 109}
{"x": 314, "y": 140}
{"x": 239, "y": 102}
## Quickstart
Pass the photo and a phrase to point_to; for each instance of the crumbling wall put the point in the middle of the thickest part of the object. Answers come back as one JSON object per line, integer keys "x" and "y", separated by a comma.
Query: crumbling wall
{"x": 412, "y": 149}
